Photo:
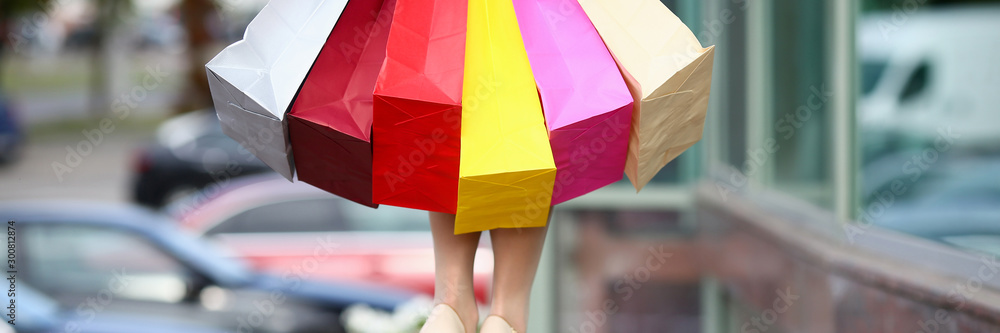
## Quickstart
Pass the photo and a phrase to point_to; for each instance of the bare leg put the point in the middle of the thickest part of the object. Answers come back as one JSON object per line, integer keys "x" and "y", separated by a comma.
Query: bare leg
{"x": 453, "y": 259}
{"x": 516, "y": 253}
{"x": 590, "y": 258}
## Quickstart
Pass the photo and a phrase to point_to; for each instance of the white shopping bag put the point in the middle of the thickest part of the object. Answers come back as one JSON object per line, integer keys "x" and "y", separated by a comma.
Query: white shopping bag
{"x": 254, "y": 81}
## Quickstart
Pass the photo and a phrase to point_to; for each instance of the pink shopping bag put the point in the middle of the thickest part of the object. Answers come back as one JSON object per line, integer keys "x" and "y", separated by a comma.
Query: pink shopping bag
{"x": 587, "y": 106}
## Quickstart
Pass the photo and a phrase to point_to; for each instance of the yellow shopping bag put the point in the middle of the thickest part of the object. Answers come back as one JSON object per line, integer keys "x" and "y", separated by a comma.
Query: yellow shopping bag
{"x": 506, "y": 170}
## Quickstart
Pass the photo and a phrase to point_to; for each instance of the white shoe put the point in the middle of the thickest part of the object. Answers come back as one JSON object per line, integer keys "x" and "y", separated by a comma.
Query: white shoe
{"x": 495, "y": 324}
{"x": 443, "y": 319}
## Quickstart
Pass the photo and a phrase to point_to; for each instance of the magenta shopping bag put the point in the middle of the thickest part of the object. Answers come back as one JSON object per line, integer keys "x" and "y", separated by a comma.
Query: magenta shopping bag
{"x": 587, "y": 106}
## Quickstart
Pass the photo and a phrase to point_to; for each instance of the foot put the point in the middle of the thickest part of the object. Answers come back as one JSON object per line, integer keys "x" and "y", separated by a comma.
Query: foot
{"x": 460, "y": 297}
{"x": 496, "y": 324}
{"x": 443, "y": 319}
{"x": 468, "y": 314}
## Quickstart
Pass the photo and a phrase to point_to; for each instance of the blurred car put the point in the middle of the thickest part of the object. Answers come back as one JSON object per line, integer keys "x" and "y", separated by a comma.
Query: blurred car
{"x": 956, "y": 202}
{"x": 190, "y": 153}
{"x": 159, "y": 31}
{"x": 275, "y": 225}
{"x": 920, "y": 78}
{"x": 11, "y": 134}
{"x": 125, "y": 260}
{"x": 81, "y": 36}
{"x": 37, "y": 313}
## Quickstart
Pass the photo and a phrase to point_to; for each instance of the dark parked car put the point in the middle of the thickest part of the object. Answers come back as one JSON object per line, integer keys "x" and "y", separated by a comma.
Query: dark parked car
{"x": 190, "y": 153}
{"x": 136, "y": 262}
{"x": 11, "y": 133}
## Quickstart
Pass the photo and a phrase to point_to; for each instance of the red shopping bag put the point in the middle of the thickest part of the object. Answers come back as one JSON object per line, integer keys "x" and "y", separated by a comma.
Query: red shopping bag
{"x": 330, "y": 122}
{"x": 418, "y": 107}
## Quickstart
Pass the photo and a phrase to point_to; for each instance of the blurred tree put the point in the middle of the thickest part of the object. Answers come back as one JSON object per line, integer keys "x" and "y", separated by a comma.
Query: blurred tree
{"x": 110, "y": 13}
{"x": 9, "y": 10}
{"x": 195, "y": 15}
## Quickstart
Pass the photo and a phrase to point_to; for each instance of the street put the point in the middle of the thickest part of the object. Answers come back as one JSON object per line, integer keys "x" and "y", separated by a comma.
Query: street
{"x": 102, "y": 175}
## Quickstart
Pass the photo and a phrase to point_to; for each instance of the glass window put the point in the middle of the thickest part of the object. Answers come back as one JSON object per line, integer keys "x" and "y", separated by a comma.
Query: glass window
{"x": 799, "y": 123}
{"x": 732, "y": 50}
{"x": 916, "y": 84}
{"x": 83, "y": 260}
{"x": 928, "y": 127}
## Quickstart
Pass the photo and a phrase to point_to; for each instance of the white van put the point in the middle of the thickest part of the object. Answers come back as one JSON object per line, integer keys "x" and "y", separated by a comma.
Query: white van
{"x": 928, "y": 70}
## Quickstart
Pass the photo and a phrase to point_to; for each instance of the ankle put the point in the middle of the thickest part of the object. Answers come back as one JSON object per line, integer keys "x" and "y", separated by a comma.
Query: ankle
{"x": 515, "y": 316}
{"x": 458, "y": 293}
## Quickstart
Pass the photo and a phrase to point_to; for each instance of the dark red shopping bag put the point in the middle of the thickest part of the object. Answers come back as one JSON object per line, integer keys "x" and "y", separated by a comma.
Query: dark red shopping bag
{"x": 418, "y": 107}
{"x": 330, "y": 121}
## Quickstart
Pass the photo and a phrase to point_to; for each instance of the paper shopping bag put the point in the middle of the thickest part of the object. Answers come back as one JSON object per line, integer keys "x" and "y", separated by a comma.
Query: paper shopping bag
{"x": 418, "y": 107}
{"x": 331, "y": 119}
{"x": 668, "y": 72}
{"x": 588, "y": 108}
{"x": 506, "y": 170}
{"x": 254, "y": 81}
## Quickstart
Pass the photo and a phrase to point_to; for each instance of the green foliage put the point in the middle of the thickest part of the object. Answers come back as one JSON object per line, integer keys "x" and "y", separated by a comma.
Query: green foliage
{"x": 111, "y": 9}
{"x": 11, "y": 8}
